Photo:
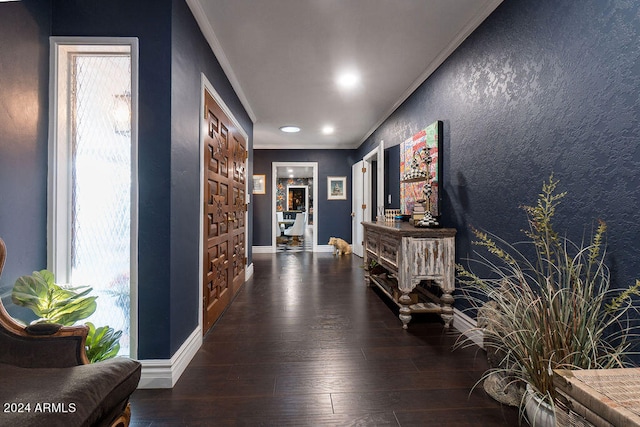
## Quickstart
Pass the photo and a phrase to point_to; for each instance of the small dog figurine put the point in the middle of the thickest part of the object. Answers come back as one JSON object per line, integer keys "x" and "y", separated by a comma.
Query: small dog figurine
{"x": 340, "y": 247}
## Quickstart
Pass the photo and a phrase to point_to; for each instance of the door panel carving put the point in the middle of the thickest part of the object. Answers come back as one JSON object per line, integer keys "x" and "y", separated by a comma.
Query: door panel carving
{"x": 224, "y": 212}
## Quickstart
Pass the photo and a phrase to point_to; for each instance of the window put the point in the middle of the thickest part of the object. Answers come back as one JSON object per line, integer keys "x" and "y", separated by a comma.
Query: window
{"x": 93, "y": 175}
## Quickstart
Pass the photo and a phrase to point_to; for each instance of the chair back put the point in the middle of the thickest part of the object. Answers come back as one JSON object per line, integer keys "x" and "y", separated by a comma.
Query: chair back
{"x": 280, "y": 216}
{"x": 297, "y": 229}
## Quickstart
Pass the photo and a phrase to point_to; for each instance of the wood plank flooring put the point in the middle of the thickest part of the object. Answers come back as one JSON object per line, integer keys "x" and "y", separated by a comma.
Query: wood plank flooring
{"x": 306, "y": 343}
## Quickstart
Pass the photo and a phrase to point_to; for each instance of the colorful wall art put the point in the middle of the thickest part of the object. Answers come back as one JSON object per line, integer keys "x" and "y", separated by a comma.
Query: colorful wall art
{"x": 428, "y": 140}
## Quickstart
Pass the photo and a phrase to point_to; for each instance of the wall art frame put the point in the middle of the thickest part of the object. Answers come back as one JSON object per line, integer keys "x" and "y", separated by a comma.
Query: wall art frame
{"x": 259, "y": 184}
{"x": 336, "y": 188}
{"x": 428, "y": 140}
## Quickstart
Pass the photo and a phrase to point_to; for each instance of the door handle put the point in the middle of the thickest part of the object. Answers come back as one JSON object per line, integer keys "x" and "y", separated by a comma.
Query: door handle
{"x": 353, "y": 214}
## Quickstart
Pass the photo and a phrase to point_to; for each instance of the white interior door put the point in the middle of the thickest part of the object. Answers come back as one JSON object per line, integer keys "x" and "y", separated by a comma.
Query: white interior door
{"x": 357, "y": 212}
{"x": 361, "y": 191}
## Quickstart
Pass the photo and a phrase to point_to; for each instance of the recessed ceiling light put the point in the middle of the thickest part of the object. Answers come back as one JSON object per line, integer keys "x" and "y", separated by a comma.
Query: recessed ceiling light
{"x": 290, "y": 129}
{"x": 328, "y": 130}
{"x": 348, "y": 80}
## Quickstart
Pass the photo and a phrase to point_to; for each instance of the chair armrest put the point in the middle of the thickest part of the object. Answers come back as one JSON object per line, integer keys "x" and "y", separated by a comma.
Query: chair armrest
{"x": 43, "y": 328}
{"x": 41, "y": 346}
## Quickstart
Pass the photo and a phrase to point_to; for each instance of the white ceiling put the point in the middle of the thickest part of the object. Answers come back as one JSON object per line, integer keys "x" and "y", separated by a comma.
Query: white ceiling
{"x": 283, "y": 57}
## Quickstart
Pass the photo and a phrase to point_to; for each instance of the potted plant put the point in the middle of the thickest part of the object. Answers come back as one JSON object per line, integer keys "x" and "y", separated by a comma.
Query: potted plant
{"x": 552, "y": 303}
{"x": 54, "y": 303}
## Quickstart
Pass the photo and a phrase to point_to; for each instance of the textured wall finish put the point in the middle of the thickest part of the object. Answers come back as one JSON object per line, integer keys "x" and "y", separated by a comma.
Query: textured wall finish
{"x": 540, "y": 87}
{"x": 24, "y": 65}
{"x": 168, "y": 148}
{"x": 190, "y": 56}
{"x": 152, "y": 27}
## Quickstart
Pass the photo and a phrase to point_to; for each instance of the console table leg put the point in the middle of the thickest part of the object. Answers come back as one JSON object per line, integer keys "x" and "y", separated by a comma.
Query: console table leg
{"x": 405, "y": 311}
{"x": 447, "y": 310}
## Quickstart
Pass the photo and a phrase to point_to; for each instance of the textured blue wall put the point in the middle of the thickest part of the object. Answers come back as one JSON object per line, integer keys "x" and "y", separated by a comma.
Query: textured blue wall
{"x": 392, "y": 180}
{"x": 24, "y": 65}
{"x": 172, "y": 55}
{"x": 540, "y": 87}
{"x": 150, "y": 21}
{"x": 334, "y": 216}
{"x": 191, "y": 55}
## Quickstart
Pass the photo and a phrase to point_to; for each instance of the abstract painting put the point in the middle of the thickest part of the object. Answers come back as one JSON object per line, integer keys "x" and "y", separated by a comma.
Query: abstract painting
{"x": 428, "y": 140}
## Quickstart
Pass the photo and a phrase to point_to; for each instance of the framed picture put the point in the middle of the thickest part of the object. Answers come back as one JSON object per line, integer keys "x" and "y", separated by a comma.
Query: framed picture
{"x": 426, "y": 142}
{"x": 259, "y": 184}
{"x": 337, "y": 188}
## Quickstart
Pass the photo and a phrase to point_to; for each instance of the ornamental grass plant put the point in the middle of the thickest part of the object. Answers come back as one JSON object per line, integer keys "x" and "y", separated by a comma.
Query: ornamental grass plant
{"x": 553, "y": 304}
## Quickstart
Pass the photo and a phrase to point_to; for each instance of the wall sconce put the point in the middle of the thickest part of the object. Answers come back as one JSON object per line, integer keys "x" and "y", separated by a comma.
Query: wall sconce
{"x": 122, "y": 114}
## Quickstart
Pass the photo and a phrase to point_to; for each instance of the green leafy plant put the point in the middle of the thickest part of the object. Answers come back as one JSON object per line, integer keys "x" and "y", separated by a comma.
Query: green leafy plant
{"x": 553, "y": 306}
{"x": 50, "y": 302}
{"x": 102, "y": 343}
{"x": 66, "y": 306}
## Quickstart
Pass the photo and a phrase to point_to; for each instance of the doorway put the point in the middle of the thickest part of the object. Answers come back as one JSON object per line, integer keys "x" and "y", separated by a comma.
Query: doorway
{"x": 295, "y": 190}
{"x": 224, "y": 206}
{"x": 368, "y": 189}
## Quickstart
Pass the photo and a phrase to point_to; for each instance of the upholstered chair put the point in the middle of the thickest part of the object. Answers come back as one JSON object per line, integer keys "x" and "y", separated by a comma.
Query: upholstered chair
{"x": 47, "y": 380}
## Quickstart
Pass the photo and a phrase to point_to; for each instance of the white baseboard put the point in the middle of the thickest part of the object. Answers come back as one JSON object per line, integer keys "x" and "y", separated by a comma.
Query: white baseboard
{"x": 164, "y": 373}
{"x": 263, "y": 249}
{"x": 248, "y": 272}
{"x": 467, "y": 326}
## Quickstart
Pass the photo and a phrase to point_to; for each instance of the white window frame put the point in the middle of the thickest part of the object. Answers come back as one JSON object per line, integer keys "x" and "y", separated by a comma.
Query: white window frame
{"x": 59, "y": 179}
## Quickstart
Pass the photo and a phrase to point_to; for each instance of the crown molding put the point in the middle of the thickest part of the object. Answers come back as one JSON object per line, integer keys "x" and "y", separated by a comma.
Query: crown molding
{"x": 208, "y": 33}
{"x": 439, "y": 60}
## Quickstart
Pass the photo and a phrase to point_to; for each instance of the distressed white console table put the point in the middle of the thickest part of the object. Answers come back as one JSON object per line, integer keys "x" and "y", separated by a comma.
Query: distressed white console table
{"x": 410, "y": 255}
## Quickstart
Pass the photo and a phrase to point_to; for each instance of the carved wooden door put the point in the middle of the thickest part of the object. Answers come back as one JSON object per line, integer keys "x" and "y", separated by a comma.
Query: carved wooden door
{"x": 224, "y": 212}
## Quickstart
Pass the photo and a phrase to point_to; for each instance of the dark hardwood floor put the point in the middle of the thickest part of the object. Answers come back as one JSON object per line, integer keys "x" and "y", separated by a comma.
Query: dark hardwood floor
{"x": 306, "y": 343}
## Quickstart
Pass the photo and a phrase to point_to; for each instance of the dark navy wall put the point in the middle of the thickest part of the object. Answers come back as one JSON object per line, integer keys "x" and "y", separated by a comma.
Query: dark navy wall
{"x": 150, "y": 21}
{"x": 172, "y": 55}
{"x": 539, "y": 87}
{"x": 24, "y": 65}
{"x": 392, "y": 180}
{"x": 334, "y": 216}
{"x": 191, "y": 55}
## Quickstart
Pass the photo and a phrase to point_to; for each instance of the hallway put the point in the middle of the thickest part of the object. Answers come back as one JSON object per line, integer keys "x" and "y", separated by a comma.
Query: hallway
{"x": 305, "y": 343}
